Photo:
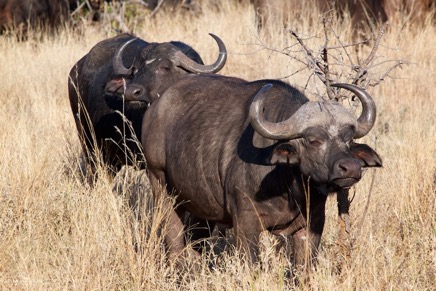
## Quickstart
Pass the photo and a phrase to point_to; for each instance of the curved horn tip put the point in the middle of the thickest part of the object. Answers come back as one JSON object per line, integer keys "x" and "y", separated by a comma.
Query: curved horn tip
{"x": 259, "y": 96}
{"x": 117, "y": 62}
{"x": 272, "y": 130}
{"x": 128, "y": 42}
{"x": 267, "y": 87}
{"x": 213, "y": 35}
{"x": 193, "y": 67}
{"x": 220, "y": 42}
{"x": 367, "y": 117}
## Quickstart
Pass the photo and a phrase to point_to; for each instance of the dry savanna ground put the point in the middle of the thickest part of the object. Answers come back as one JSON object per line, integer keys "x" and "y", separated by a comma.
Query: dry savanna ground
{"x": 58, "y": 233}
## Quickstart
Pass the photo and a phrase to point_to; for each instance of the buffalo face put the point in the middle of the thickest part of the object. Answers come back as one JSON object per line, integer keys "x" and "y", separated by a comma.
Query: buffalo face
{"x": 160, "y": 66}
{"x": 318, "y": 138}
{"x": 125, "y": 88}
{"x": 327, "y": 158}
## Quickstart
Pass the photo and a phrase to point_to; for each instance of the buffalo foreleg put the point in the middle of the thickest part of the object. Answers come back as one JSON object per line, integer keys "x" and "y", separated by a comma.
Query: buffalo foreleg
{"x": 247, "y": 226}
{"x": 306, "y": 241}
{"x": 174, "y": 229}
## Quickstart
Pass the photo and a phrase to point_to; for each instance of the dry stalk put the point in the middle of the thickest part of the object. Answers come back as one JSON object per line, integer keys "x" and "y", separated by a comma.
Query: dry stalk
{"x": 345, "y": 240}
{"x": 362, "y": 220}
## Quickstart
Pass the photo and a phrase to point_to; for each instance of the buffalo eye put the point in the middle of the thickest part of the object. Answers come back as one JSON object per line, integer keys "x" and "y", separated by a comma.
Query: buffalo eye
{"x": 315, "y": 137}
{"x": 314, "y": 142}
{"x": 165, "y": 66}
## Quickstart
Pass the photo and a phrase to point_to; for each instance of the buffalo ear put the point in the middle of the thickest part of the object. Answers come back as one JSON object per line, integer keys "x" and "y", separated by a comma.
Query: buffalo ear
{"x": 284, "y": 154}
{"x": 367, "y": 156}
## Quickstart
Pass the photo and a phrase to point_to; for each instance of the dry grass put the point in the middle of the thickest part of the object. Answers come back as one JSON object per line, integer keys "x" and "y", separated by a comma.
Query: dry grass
{"x": 56, "y": 233}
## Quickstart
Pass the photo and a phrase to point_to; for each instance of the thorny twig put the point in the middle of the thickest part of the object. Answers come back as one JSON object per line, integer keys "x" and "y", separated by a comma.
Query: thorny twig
{"x": 294, "y": 73}
{"x": 313, "y": 61}
{"x": 326, "y": 69}
{"x": 372, "y": 54}
{"x": 386, "y": 74}
{"x": 322, "y": 67}
{"x": 289, "y": 54}
{"x": 362, "y": 70}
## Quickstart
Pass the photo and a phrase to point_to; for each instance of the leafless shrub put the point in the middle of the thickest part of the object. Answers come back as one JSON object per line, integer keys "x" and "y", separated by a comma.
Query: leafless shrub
{"x": 338, "y": 62}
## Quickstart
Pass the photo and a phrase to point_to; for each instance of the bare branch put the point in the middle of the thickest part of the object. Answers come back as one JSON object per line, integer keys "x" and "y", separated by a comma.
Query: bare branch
{"x": 362, "y": 70}
{"x": 386, "y": 74}
{"x": 88, "y": 4}
{"x": 292, "y": 74}
{"x": 288, "y": 55}
{"x": 333, "y": 61}
{"x": 371, "y": 55}
{"x": 341, "y": 45}
{"x": 391, "y": 61}
{"x": 326, "y": 69}
{"x": 315, "y": 60}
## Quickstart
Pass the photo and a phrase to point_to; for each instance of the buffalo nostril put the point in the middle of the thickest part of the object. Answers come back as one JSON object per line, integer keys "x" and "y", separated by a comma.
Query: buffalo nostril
{"x": 346, "y": 172}
{"x": 343, "y": 167}
{"x": 348, "y": 167}
{"x": 137, "y": 92}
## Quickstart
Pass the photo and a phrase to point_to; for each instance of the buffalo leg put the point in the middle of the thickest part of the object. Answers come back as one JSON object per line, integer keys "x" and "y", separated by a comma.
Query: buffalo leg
{"x": 306, "y": 240}
{"x": 199, "y": 231}
{"x": 174, "y": 234}
{"x": 247, "y": 226}
{"x": 247, "y": 234}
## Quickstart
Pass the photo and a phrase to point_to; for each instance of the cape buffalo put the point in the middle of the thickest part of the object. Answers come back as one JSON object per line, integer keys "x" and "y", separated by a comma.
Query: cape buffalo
{"x": 254, "y": 156}
{"x": 121, "y": 76}
{"x": 52, "y": 13}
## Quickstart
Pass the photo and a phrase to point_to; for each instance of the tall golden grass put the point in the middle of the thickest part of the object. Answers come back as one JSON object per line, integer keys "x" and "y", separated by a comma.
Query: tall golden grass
{"x": 58, "y": 233}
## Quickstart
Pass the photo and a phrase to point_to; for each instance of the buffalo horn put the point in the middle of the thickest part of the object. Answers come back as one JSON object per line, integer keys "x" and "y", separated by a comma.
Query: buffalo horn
{"x": 194, "y": 67}
{"x": 288, "y": 129}
{"x": 117, "y": 61}
{"x": 367, "y": 118}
